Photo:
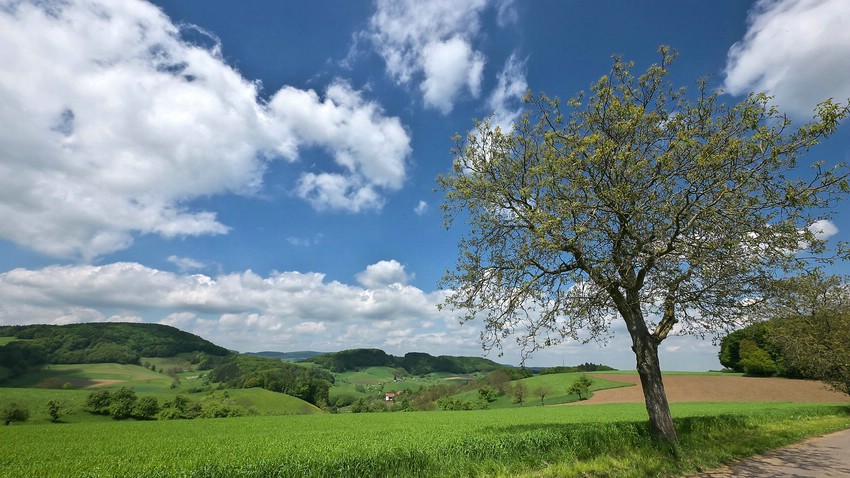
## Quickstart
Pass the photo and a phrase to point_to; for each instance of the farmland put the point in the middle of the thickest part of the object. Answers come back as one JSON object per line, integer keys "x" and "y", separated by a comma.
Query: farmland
{"x": 494, "y": 435}
{"x": 543, "y": 441}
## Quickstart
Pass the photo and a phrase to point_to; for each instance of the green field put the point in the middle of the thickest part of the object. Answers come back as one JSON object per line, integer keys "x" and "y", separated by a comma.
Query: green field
{"x": 556, "y": 384}
{"x": 602, "y": 440}
{"x": 292, "y": 438}
{"x": 71, "y": 384}
{"x": 372, "y": 381}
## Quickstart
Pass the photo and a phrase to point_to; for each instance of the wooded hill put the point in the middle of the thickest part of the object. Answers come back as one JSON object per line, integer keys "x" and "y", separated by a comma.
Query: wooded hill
{"x": 415, "y": 363}
{"x": 287, "y": 356}
{"x": 310, "y": 384}
{"x": 110, "y": 342}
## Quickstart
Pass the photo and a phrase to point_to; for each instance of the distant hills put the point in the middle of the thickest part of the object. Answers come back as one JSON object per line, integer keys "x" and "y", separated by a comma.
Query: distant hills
{"x": 288, "y": 356}
{"x": 126, "y": 343}
{"x": 415, "y": 363}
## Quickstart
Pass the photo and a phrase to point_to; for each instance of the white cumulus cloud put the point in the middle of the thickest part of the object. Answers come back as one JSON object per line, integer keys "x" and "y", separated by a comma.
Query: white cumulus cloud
{"x": 370, "y": 148}
{"x": 432, "y": 41}
{"x": 796, "y": 50}
{"x": 449, "y": 66}
{"x": 113, "y": 124}
{"x": 244, "y": 311}
{"x": 382, "y": 274}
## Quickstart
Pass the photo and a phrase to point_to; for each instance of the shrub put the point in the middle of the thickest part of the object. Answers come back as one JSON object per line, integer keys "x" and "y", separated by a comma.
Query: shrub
{"x": 98, "y": 401}
{"x": 14, "y": 412}
{"x": 122, "y": 404}
{"x": 56, "y": 408}
{"x": 146, "y": 408}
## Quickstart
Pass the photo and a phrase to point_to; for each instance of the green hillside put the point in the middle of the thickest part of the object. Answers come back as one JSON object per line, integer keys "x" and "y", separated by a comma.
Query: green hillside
{"x": 34, "y": 345}
{"x": 248, "y": 371}
{"x": 71, "y": 384}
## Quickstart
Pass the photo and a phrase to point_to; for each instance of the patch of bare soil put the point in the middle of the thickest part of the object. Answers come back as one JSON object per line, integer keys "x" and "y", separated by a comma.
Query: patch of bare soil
{"x": 92, "y": 382}
{"x": 705, "y": 388}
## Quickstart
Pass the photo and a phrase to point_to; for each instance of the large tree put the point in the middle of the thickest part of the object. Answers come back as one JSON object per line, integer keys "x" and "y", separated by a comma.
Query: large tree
{"x": 810, "y": 326}
{"x": 639, "y": 202}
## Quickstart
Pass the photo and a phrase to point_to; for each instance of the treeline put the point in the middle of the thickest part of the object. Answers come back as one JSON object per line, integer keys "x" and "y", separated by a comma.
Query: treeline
{"x": 123, "y": 343}
{"x": 124, "y": 403}
{"x": 414, "y": 363}
{"x": 310, "y": 384}
{"x": 585, "y": 367}
{"x": 752, "y": 350}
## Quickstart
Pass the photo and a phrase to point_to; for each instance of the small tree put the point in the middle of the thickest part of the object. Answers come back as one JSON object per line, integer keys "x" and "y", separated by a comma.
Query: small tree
{"x": 635, "y": 202}
{"x": 500, "y": 380}
{"x": 14, "y": 412}
{"x": 542, "y": 392}
{"x": 486, "y": 395}
{"x": 519, "y": 391}
{"x": 581, "y": 387}
{"x": 56, "y": 409}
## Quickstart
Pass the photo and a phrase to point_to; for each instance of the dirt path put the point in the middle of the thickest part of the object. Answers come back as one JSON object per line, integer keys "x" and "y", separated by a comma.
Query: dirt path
{"x": 821, "y": 457}
{"x": 702, "y": 388}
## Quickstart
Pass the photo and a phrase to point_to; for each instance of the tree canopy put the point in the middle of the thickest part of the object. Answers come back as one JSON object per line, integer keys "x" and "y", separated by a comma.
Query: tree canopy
{"x": 417, "y": 363}
{"x": 639, "y": 203}
{"x": 811, "y": 327}
{"x": 805, "y": 332}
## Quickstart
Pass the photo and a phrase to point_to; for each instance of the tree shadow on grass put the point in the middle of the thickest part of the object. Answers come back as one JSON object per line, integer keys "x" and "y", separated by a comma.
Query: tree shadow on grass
{"x": 51, "y": 378}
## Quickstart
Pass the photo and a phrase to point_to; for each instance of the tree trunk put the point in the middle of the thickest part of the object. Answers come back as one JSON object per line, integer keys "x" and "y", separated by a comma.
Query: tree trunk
{"x": 649, "y": 369}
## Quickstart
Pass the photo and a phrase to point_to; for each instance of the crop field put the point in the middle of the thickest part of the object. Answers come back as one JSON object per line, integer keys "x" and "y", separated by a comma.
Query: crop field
{"x": 538, "y": 441}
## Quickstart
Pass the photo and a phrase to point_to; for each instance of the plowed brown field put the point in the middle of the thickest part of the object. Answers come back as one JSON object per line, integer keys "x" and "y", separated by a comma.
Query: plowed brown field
{"x": 706, "y": 388}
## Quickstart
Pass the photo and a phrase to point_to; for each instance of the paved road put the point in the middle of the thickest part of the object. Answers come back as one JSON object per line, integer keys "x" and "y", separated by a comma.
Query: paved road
{"x": 826, "y": 456}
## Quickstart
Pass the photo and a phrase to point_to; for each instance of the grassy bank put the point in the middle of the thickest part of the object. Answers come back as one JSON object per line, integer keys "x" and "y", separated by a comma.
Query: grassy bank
{"x": 603, "y": 440}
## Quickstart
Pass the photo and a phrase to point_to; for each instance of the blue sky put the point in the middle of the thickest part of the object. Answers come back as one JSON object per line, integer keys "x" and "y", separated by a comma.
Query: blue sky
{"x": 263, "y": 173}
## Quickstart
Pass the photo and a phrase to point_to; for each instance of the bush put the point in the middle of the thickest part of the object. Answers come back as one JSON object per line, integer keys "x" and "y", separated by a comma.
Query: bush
{"x": 123, "y": 403}
{"x": 146, "y": 408}
{"x": 56, "y": 408}
{"x": 179, "y": 407}
{"x": 98, "y": 401}
{"x": 14, "y": 412}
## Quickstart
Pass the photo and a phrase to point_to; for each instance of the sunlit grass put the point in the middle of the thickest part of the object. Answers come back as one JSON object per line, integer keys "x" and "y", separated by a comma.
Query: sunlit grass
{"x": 604, "y": 440}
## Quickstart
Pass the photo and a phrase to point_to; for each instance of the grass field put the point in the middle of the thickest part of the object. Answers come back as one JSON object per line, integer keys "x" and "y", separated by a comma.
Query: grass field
{"x": 603, "y": 440}
{"x": 556, "y": 384}
{"x": 71, "y": 384}
{"x": 371, "y": 381}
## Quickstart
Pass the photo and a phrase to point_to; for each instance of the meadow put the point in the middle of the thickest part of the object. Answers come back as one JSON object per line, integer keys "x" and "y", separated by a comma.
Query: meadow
{"x": 594, "y": 440}
{"x": 71, "y": 385}
{"x": 556, "y": 386}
